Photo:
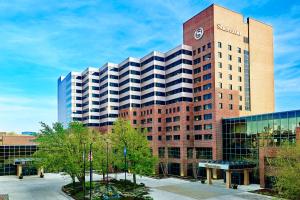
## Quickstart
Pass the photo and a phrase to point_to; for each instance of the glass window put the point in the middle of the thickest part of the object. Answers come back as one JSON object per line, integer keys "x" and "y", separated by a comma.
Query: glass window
{"x": 219, "y": 44}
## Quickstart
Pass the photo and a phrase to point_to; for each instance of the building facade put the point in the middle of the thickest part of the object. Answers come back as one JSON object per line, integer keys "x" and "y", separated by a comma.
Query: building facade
{"x": 16, "y": 153}
{"x": 258, "y": 137}
{"x": 223, "y": 69}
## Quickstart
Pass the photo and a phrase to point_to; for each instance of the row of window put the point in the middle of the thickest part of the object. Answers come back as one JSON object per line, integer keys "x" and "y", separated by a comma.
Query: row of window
{"x": 174, "y": 152}
{"x": 204, "y": 47}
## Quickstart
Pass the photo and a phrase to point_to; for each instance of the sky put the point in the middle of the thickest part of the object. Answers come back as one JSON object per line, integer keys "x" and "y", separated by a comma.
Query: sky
{"x": 42, "y": 40}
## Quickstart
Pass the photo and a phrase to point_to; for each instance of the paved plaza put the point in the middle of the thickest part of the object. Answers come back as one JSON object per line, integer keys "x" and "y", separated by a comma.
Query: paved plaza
{"x": 35, "y": 188}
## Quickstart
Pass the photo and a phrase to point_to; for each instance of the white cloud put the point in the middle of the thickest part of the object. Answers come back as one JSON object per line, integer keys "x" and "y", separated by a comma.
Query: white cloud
{"x": 19, "y": 113}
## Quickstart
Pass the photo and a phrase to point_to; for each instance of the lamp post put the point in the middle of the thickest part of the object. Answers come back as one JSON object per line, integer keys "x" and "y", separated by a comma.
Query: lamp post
{"x": 107, "y": 165}
{"x": 91, "y": 170}
{"x": 125, "y": 154}
{"x": 83, "y": 157}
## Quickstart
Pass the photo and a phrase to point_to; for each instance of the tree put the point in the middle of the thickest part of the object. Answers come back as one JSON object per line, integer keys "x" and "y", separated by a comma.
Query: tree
{"x": 285, "y": 167}
{"x": 139, "y": 157}
{"x": 61, "y": 150}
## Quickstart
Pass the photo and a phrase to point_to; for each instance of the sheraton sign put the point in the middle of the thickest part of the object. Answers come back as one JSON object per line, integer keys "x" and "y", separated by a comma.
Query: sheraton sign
{"x": 229, "y": 30}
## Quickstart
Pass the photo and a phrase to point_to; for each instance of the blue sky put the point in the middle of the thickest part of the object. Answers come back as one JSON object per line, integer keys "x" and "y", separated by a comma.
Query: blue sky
{"x": 41, "y": 40}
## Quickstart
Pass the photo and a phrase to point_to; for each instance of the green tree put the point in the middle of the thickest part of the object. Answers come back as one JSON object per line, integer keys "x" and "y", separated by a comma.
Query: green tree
{"x": 139, "y": 157}
{"x": 61, "y": 150}
{"x": 285, "y": 167}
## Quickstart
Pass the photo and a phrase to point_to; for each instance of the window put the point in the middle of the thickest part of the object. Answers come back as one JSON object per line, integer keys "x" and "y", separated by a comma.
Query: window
{"x": 206, "y": 67}
{"x": 134, "y": 113}
{"x": 219, "y": 64}
{"x": 199, "y": 50}
{"x": 203, "y": 48}
{"x": 178, "y": 109}
{"x": 230, "y": 106}
{"x": 220, "y": 85}
{"x": 219, "y": 54}
{"x": 229, "y": 47}
{"x": 176, "y": 128}
{"x": 194, "y": 52}
{"x": 161, "y": 152}
{"x": 229, "y": 57}
{"x": 159, "y": 120}
{"x": 168, "y": 137}
{"x": 239, "y": 50}
{"x": 174, "y": 152}
{"x": 189, "y": 153}
{"x": 168, "y": 128}
{"x": 220, "y": 95}
{"x": 207, "y": 77}
{"x": 197, "y": 80}
{"x": 220, "y": 106}
{"x": 239, "y": 69}
{"x": 188, "y": 127}
{"x": 207, "y": 86}
{"x": 198, "y": 98}
{"x": 159, "y": 111}
{"x": 240, "y": 79}
{"x": 187, "y": 118}
{"x": 197, "y": 127}
{"x": 240, "y": 107}
{"x": 208, "y": 137}
{"x": 229, "y": 67}
{"x": 230, "y": 86}
{"x": 176, "y": 137}
{"x": 149, "y": 137}
{"x": 159, "y": 138}
{"x": 197, "y": 108}
{"x": 168, "y": 119}
{"x": 219, "y": 44}
{"x": 187, "y": 108}
{"x": 134, "y": 121}
{"x": 198, "y": 137}
{"x": 188, "y": 137}
{"x": 207, "y": 126}
{"x": 239, "y": 60}
{"x": 197, "y": 118}
{"x": 207, "y": 96}
{"x": 240, "y": 88}
{"x": 176, "y": 119}
{"x": 207, "y": 106}
{"x": 203, "y": 153}
{"x": 207, "y": 116}
{"x": 230, "y": 97}
{"x": 206, "y": 57}
{"x": 229, "y": 76}
{"x": 209, "y": 45}
{"x": 220, "y": 75}
{"x": 241, "y": 98}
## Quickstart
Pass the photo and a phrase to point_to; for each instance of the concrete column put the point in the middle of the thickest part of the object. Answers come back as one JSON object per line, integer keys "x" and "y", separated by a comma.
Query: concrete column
{"x": 40, "y": 170}
{"x": 19, "y": 170}
{"x": 228, "y": 179}
{"x": 183, "y": 169}
{"x": 208, "y": 175}
{"x": 215, "y": 173}
{"x": 246, "y": 177}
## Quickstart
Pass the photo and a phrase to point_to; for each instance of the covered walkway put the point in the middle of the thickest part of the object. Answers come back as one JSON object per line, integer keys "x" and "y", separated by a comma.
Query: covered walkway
{"x": 228, "y": 166}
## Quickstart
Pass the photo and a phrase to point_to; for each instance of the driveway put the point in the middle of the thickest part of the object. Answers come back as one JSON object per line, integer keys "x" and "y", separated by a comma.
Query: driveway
{"x": 34, "y": 188}
{"x": 49, "y": 188}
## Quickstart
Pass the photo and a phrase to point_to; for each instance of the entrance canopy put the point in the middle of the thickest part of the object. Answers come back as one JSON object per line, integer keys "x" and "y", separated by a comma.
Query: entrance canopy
{"x": 22, "y": 161}
{"x": 226, "y": 165}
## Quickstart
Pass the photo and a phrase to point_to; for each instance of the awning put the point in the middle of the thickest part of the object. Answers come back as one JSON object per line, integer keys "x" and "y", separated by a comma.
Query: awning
{"x": 226, "y": 165}
{"x": 22, "y": 161}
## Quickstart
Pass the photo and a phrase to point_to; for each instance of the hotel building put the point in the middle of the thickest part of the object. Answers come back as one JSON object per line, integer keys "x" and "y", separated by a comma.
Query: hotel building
{"x": 223, "y": 69}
